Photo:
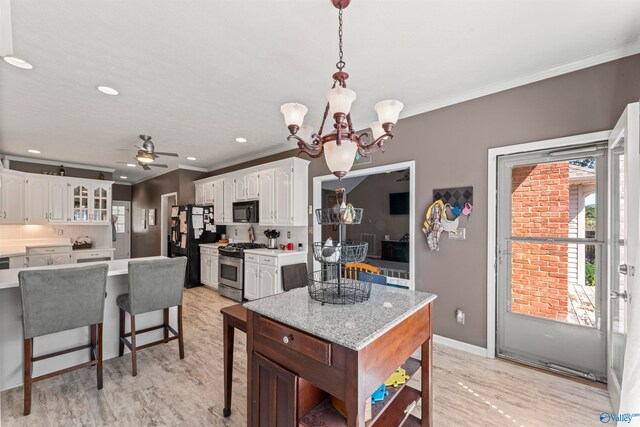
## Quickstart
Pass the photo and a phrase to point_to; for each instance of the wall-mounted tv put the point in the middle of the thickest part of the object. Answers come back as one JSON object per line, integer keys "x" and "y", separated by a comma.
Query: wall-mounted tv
{"x": 399, "y": 203}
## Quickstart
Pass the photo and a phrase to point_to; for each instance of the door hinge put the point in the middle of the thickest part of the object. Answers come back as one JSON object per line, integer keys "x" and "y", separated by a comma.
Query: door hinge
{"x": 627, "y": 270}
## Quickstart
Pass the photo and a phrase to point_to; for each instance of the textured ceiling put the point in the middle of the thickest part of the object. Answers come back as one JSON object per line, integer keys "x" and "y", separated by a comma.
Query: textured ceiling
{"x": 197, "y": 74}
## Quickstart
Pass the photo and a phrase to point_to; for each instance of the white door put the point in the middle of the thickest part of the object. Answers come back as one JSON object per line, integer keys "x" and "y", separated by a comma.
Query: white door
{"x": 228, "y": 201}
{"x": 100, "y": 198}
{"x": 251, "y": 281}
{"x": 214, "y": 270}
{"x": 58, "y": 201}
{"x": 80, "y": 199}
{"x": 624, "y": 205}
{"x": 122, "y": 212}
{"x": 38, "y": 260}
{"x": 266, "y": 197}
{"x": 205, "y": 269}
{"x": 218, "y": 201}
{"x": 208, "y": 193}
{"x": 12, "y": 191}
{"x": 252, "y": 185}
{"x": 268, "y": 281}
{"x": 61, "y": 259}
{"x": 37, "y": 196}
{"x": 239, "y": 191}
{"x": 283, "y": 209}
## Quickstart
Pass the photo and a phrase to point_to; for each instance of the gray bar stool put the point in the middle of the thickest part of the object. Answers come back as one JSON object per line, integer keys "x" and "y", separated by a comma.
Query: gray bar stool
{"x": 153, "y": 285}
{"x": 58, "y": 300}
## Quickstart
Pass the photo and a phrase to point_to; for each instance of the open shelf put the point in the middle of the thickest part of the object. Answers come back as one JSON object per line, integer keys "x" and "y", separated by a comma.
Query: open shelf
{"x": 389, "y": 412}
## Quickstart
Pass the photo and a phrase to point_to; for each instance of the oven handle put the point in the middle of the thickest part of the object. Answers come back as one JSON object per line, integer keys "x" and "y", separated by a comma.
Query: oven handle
{"x": 230, "y": 260}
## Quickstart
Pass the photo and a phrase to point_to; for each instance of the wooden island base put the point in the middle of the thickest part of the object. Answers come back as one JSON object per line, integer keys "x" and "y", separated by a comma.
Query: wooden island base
{"x": 293, "y": 374}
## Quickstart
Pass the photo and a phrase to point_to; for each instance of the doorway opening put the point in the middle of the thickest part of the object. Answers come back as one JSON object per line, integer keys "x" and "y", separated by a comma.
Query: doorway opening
{"x": 121, "y": 217}
{"x": 166, "y": 201}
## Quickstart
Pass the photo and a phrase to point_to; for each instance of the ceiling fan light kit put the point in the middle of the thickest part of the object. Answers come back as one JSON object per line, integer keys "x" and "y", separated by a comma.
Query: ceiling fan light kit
{"x": 341, "y": 144}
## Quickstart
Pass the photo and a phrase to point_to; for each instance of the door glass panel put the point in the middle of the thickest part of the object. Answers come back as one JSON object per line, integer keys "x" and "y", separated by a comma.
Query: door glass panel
{"x": 555, "y": 200}
{"x": 555, "y": 281}
{"x": 618, "y": 257}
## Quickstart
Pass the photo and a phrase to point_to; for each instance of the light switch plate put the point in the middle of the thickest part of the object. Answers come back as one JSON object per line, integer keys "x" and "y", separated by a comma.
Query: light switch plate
{"x": 459, "y": 234}
{"x": 310, "y": 209}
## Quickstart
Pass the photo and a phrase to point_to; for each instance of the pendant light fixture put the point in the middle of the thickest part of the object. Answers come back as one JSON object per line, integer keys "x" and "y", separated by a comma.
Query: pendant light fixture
{"x": 341, "y": 144}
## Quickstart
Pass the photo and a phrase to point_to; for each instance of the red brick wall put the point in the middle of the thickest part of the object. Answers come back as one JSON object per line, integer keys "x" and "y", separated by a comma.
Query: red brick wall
{"x": 539, "y": 272}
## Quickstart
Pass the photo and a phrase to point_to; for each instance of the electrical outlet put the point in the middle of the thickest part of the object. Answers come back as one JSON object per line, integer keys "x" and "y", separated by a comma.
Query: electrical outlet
{"x": 60, "y": 232}
{"x": 459, "y": 234}
{"x": 460, "y": 316}
{"x": 288, "y": 234}
{"x": 310, "y": 209}
{"x": 235, "y": 232}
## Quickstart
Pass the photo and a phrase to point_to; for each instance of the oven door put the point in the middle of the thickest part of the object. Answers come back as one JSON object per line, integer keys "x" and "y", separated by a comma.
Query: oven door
{"x": 230, "y": 271}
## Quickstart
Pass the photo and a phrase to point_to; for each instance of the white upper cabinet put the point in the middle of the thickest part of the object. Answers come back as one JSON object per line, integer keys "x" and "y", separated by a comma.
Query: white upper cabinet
{"x": 12, "y": 196}
{"x": 218, "y": 201}
{"x": 228, "y": 201}
{"x": 37, "y": 200}
{"x": 208, "y": 194}
{"x": 283, "y": 195}
{"x": 266, "y": 196}
{"x": 101, "y": 203}
{"x": 80, "y": 202}
{"x": 59, "y": 201}
{"x": 252, "y": 185}
{"x": 199, "y": 194}
{"x": 239, "y": 188}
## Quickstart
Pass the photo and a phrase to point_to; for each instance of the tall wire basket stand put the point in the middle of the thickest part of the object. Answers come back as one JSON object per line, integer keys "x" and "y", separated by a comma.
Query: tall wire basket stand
{"x": 333, "y": 283}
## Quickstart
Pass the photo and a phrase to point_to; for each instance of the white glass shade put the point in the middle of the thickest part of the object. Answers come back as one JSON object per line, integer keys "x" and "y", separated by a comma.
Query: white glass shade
{"x": 340, "y": 158}
{"x": 293, "y": 113}
{"x": 305, "y": 133}
{"x": 144, "y": 158}
{"x": 376, "y": 130}
{"x": 388, "y": 111}
{"x": 340, "y": 99}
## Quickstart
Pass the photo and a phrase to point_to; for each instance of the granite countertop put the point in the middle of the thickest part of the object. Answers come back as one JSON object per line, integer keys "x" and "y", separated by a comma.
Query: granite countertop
{"x": 353, "y": 326}
{"x": 273, "y": 252}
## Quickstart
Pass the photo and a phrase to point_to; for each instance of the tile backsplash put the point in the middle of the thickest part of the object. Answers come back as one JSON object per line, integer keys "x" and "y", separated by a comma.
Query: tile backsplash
{"x": 298, "y": 234}
{"x": 100, "y": 234}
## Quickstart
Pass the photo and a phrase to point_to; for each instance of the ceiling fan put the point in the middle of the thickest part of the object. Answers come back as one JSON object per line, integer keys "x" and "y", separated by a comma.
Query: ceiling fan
{"x": 147, "y": 155}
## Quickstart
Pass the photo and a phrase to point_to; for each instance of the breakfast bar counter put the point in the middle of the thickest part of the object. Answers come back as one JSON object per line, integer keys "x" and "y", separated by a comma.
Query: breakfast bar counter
{"x": 311, "y": 363}
{"x": 11, "y": 337}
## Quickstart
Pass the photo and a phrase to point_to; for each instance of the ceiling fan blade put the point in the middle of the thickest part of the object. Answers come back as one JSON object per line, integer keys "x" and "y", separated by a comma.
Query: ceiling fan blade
{"x": 146, "y": 167}
{"x": 160, "y": 153}
{"x": 156, "y": 165}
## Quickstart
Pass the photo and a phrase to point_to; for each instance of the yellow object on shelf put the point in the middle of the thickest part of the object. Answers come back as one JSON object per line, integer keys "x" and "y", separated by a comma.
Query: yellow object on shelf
{"x": 396, "y": 379}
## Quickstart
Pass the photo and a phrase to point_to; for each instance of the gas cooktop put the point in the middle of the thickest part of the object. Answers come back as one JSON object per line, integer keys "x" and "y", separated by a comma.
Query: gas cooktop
{"x": 237, "y": 249}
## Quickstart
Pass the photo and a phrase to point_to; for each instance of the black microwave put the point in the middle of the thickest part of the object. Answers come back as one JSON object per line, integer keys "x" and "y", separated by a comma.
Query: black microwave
{"x": 246, "y": 212}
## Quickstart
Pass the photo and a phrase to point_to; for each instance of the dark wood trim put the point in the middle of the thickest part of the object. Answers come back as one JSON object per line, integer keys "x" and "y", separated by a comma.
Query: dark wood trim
{"x": 64, "y": 371}
{"x": 134, "y": 362}
{"x": 27, "y": 375}
{"x": 180, "y": 333}
{"x": 426, "y": 376}
{"x": 99, "y": 370}
{"x": 165, "y": 323}
{"x": 93, "y": 338}
{"x": 145, "y": 330}
{"x": 122, "y": 331}
{"x": 60, "y": 353}
{"x": 228, "y": 332}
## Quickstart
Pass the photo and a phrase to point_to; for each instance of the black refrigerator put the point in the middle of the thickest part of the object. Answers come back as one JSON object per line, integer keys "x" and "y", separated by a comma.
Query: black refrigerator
{"x": 192, "y": 225}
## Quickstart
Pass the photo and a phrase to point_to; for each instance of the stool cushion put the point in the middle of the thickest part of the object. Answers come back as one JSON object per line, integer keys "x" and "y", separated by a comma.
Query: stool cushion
{"x": 123, "y": 302}
{"x": 55, "y": 300}
{"x": 156, "y": 284}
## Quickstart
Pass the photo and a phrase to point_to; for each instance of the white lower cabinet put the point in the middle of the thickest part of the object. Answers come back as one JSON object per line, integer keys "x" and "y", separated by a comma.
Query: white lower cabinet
{"x": 262, "y": 275}
{"x": 17, "y": 262}
{"x": 251, "y": 281}
{"x": 38, "y": 260}
{"x": 209, "y": 266}
{"x": 48, "y": 255}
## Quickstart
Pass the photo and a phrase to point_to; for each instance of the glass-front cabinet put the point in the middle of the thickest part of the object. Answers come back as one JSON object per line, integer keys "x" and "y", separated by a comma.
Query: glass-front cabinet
{"x": 90, "y": 202}
{"x": 101, "y": 208}
{"x": 80, "y": 202}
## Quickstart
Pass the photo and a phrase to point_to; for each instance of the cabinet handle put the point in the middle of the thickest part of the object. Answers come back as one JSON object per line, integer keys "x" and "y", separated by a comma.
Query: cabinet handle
{"x": 287, "y": 338}
{"x": 5, "y": 214}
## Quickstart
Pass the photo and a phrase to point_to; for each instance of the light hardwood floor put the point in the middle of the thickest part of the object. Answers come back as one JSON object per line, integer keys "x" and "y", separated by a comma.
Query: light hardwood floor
{"x": 468, "y": 390}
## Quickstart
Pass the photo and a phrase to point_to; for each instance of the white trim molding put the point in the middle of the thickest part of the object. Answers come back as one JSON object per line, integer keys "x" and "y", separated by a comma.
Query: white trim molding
{"x": 192, "y": 168}
{"x": 55, "y": 163}
{"x": 492, "y": 214}
{"x": 459, "y": 345}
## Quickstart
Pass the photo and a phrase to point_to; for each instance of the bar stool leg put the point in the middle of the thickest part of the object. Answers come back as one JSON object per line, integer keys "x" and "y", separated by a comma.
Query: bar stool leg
{"x": 121, "y": 344}
{"x": 134, "y": 365}
{"x": 166, "y": 323}
{"x": 180, "y": 333}
{"x": 99, "y": 370}
{"x": 92, "y": 349}
{"x": 27, "y": 375}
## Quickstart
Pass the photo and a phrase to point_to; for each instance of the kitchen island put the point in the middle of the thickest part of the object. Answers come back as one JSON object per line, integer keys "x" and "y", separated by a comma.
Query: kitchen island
{"x": 11, "y": 338}
{"x": 306, "y": 358}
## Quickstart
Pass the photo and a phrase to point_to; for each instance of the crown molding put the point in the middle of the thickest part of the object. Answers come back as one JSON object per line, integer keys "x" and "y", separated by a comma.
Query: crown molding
{"x": 192, "y": 168}
{"x": 247, "y": 158}
{"x": 122, "y": 183}
{"x": 57, "y": 163}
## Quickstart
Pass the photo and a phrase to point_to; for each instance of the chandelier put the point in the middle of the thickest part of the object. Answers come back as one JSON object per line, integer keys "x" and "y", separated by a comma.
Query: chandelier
{"x": 341, "y": 144}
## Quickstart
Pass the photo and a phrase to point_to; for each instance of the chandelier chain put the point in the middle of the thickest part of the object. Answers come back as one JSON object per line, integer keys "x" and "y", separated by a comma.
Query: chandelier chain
{"x": 340, "y": 63}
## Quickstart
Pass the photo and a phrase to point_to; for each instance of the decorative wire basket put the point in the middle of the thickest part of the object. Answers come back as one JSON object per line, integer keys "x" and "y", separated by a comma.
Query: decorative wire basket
{"x": 340, "y": 252}
{"x": 328, "y": 216}
{"x": 329, "y": 286}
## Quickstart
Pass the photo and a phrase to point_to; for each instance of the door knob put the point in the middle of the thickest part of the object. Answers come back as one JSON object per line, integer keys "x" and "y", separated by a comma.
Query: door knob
{"x": 621, "y": 295}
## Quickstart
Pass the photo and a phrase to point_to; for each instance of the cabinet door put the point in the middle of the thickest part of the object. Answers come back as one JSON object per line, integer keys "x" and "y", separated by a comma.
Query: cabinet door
{"x": 283, "y": 212}
{"x": 12, "y": 194}
{"x": 37, "y": 196}
{"x": 266, "y": 197}
{"x": 60, "y": 259}
{"x": 80, "y": 199}
{"x": 101, "y": 203}
{"x": 208, "y": 193}
{"x": 205, "y": 269}
{"x": 274, "y": 394}
{"x": 268, "y": 281}
{"x": 58, "y": 201}
{"x": 252, "y": 186}
{"x": 214, "y": 270}
{"x": 17, "y": 262}
{"x": 228, "y": 201}
{"x": 240, "y": 191}
{"x": 199, "y": 194}
{"x": 218, "y": 201}
{"x": 38, "y": 260}
{"x": 251, "y": 279}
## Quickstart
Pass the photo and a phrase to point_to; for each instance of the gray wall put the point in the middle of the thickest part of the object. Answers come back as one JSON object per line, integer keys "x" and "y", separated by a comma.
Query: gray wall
{"x": 450, "y": 147}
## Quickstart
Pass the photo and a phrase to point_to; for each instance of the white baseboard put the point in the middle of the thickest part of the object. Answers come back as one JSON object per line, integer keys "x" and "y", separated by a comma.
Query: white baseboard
{"x": 459, "y": 345}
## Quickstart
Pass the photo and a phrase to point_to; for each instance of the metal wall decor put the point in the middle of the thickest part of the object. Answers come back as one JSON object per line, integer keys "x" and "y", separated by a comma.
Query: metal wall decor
{"x": 454, "y": 196}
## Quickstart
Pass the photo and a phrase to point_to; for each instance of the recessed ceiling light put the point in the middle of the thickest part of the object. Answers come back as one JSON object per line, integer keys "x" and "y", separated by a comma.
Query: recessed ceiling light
{"x": 241, "y": 140}
{"x": 107, "y": 90}
{"x": 17, "y": 62}
{"x": 131, "y": 165}
{"x": 123, "y": 177}
{"x": 34, "y": 151}
{"x": 191, "y": 158}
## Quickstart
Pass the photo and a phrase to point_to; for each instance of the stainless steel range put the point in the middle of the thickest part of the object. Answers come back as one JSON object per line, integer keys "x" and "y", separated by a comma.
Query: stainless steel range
{"x": 231, "y": 269}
